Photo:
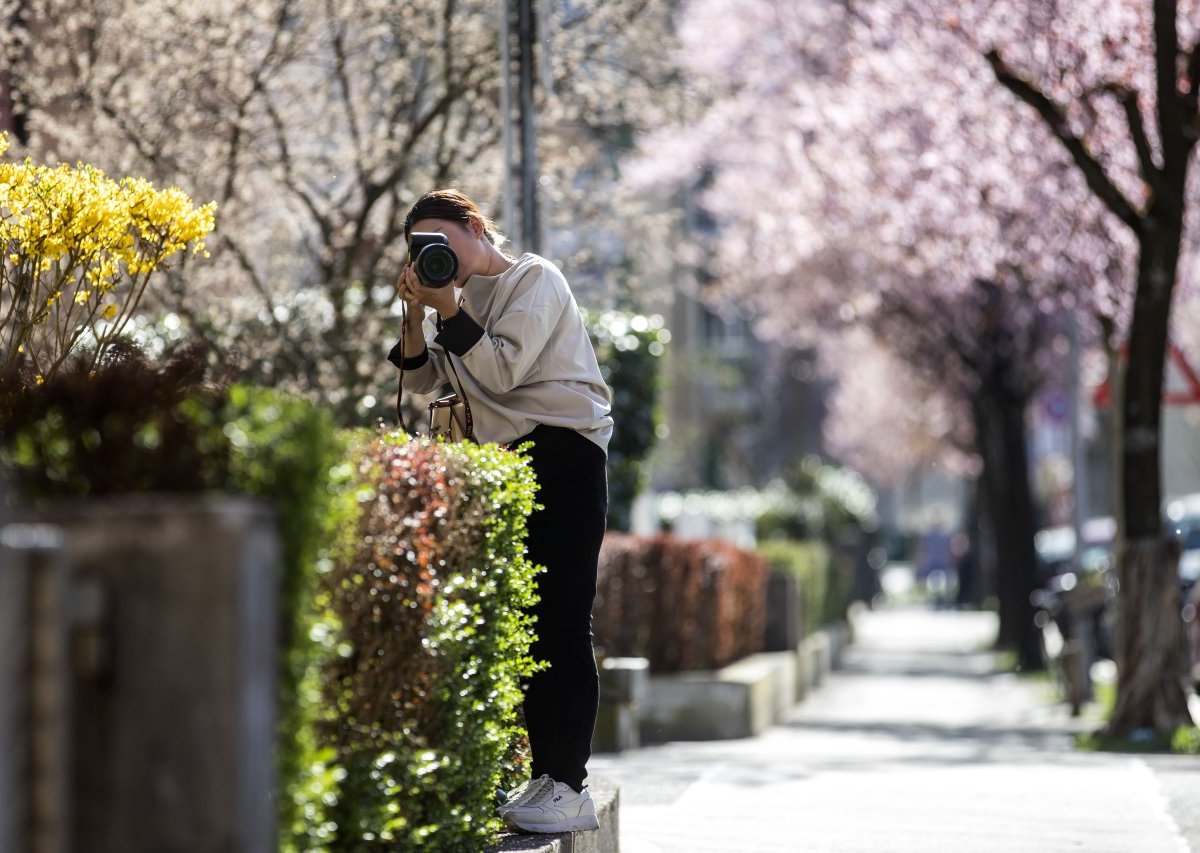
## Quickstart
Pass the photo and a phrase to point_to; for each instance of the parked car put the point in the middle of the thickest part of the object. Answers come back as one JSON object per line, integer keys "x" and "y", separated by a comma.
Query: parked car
{"x": 1191, "y": 627}
{"x": 1183, "y": 522}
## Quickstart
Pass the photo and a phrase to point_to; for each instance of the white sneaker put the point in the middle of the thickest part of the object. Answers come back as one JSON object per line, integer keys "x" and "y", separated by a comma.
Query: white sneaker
{"x": 529, "y": 788}
{"x": 554, "y": 807}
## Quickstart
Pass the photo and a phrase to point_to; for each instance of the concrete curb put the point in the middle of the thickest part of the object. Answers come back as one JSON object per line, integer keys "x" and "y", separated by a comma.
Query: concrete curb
{"x": 742, "y": 699}
{"x": 606, "y": 839}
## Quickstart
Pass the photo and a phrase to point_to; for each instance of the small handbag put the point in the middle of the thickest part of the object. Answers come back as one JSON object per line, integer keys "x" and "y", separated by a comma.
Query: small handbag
{"x": 449, "y": 417}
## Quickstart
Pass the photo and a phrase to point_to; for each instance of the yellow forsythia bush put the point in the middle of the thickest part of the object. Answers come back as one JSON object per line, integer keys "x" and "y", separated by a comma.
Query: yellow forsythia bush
{"x": 79, "y": 249}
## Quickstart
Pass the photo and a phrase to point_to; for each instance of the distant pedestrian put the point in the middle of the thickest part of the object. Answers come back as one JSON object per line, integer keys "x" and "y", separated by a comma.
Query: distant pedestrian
{"x": 936, "y": 564}
{"x": 510, "y": 335}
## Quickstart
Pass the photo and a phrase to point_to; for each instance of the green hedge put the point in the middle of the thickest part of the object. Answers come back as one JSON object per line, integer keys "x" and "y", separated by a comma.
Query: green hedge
{"x": 369, "y": 757}
{"x": 137, "y": 425}
{"x": 824, "y": 583}
{"x": 684, "y": 605}
{"x": 432, "y": 642}
{"x": 128, "y": 426}
{"x": 629, "y": 348}
{"x": 287, "y": 450}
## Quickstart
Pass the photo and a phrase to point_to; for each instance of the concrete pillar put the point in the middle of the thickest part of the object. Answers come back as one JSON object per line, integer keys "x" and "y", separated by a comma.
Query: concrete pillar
{"x": 171, "y": 628}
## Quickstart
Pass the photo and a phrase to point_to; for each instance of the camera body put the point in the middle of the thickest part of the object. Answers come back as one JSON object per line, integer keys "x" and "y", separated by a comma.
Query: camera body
{"x": 432, "y": 258}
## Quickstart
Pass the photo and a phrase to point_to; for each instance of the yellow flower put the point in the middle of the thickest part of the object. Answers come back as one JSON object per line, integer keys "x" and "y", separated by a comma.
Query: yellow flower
{"x": 71, "y": 232}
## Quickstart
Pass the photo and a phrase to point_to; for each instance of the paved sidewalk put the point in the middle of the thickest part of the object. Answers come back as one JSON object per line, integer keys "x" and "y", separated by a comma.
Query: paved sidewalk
{"x": 916, "y": 746}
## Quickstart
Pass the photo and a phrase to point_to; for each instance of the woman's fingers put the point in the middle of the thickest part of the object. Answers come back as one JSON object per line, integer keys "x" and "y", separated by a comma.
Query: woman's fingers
{"x": 406, "y": 286}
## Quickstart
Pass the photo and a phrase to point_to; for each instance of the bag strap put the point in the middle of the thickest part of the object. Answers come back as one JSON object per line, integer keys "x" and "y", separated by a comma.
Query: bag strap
{"x": 461, "y": 389}
{"x": 462, "y": 392}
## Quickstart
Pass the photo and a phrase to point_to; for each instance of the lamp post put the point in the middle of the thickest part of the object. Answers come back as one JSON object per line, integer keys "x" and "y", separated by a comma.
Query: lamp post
{"x": 520, "y": 153}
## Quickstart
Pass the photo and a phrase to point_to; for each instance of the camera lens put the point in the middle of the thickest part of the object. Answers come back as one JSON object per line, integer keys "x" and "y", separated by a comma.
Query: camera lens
{"x": 437, "y": 265}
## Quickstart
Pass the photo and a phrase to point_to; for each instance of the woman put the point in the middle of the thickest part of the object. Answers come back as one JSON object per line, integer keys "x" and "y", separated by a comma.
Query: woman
{"x": 517, "y": 344}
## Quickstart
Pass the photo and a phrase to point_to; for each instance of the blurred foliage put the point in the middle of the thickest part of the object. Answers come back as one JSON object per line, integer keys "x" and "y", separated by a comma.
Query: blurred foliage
{"x": 831, "y": 500}
{"x": 1184, "y": 740}
{"x": 629, "y": 348}
{"x": 135, "y": 425}
{"x": 684, "y": 605}
{"x": 740, "y": 505}
{"x": 127, "y": 425}
{"x": 285, "y": 449}
{"x": 432, "y": 642}
{"x": 823, "y": 583}
{"x": 815, "y": 500}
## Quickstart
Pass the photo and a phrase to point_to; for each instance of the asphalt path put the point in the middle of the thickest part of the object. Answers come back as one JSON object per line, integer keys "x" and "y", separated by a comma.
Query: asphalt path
{"x": 917, "y": 745}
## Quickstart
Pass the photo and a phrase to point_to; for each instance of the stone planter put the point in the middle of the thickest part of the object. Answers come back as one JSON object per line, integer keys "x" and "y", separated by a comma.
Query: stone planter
{"x": 624, "y": 686}
{"x": 742, "y": 699}
{"x": 167, "y": 672}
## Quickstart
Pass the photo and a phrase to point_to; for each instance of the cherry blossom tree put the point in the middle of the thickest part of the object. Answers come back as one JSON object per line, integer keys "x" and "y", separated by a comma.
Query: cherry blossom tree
{"x": 1118, "y": 85}
{"x": 866, "y": 170}
{"x": 885, "y": 421}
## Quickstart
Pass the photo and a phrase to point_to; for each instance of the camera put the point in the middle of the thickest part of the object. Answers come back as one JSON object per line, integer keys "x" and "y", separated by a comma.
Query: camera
{"x": 432, "y": 258}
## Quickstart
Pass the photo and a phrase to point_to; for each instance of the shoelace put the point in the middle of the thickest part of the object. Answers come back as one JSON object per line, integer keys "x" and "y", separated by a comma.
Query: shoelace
{"x": 542, "y": 794}
{"x": 521, "y": 795}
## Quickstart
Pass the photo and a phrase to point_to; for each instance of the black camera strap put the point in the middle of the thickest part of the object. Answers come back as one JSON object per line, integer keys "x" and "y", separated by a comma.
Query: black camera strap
{"x": 403, "y": 358}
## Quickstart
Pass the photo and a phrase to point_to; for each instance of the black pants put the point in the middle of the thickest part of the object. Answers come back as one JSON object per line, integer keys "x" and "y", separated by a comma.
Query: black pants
{"x": 565, "y": 537}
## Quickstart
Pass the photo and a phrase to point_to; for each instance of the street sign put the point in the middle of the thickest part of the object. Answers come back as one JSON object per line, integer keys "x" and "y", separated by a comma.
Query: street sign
{"x": 1181, "y": 385}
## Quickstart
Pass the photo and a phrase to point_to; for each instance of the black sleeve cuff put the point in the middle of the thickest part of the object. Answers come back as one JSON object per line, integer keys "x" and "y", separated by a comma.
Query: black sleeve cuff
{"x": 459, "y": 333}
{"x": 396, "y": 357}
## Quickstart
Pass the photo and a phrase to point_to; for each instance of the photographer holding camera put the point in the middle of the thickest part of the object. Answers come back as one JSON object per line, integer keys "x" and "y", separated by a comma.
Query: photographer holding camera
{"x": 508, "y": 333}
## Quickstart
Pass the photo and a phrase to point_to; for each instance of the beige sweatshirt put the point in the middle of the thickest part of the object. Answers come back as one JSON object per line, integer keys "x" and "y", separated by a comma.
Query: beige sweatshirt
{"x": 522, "y": 353}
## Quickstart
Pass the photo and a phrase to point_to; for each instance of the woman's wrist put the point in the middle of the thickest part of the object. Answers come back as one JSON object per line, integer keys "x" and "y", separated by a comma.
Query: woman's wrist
{"x": 413, "y": 348}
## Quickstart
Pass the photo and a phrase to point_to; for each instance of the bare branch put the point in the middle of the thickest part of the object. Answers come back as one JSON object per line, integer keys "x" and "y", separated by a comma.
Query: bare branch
{"x": 1151, "y": 173}
{"x": 266, "y": 61}
{"x": 338, "y": 40}
{"x": 1097, "y": 179}
{"x": 285, "y": 161}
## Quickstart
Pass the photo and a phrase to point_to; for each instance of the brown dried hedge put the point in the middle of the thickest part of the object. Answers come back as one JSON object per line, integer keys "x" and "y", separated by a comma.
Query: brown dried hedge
{"x": 684, "y": 605}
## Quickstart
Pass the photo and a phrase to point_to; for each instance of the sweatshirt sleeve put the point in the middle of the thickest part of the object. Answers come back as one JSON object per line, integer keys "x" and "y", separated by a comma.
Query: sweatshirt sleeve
{"x": 502, "y": 359}
{"x": 424, "y": 373}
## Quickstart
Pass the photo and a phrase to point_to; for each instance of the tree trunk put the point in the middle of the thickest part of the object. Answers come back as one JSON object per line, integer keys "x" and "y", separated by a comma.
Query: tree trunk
{"x": 1150, "y": 689}
{"x": 970, "y": 581}
{"x": 1149, "y": 645}
{"x": 1000, "y": 427}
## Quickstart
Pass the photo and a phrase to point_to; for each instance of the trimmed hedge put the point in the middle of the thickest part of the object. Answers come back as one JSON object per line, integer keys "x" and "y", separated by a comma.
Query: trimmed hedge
{"x": 684, "y": 605}
{"x": 431, "y": 643}
{"x": 402, "y": 639}
{"x": 824, "y": 584}
{"x": 629, "y": 348}
{"x": 129, "y": 425}
{"x": 137, "y": 425}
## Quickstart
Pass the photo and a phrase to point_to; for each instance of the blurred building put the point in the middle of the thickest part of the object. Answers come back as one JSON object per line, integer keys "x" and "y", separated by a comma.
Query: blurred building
{"x": 738, "y": 411}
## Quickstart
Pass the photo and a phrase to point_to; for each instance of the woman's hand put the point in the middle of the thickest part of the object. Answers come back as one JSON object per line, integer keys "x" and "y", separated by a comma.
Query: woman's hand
{"x": 414, "y": 311}
{"x": 415, "y": 294}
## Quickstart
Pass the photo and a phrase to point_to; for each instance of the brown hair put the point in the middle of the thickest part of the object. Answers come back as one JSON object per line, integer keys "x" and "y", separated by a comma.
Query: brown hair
{"x": 454, "y": 206}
